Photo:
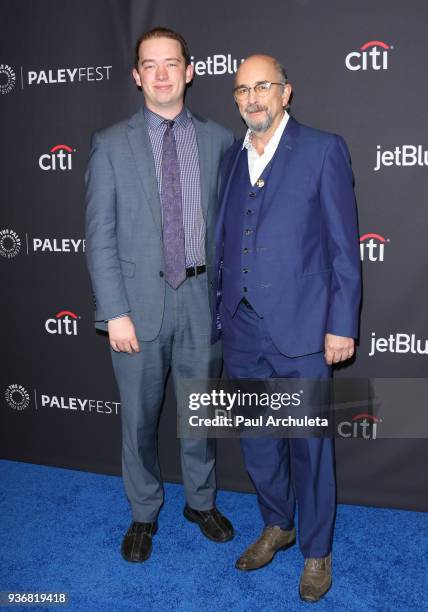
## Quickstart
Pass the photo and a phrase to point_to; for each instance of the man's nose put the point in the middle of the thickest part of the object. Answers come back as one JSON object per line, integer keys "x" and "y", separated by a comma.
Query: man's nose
{"x": 161, "y": 73}
{"x": 252, "y": 96}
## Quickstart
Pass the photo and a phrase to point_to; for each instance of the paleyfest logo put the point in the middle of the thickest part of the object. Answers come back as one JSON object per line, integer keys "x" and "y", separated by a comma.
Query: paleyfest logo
{"x": 59, "y": 158}
{"x": 372, "y": 247}
{"x": 64, "y": 323}
{"x": 78, "y": 404}
{"x": 68, "y": 75}
{"x": 7, "y": 79}
{"x": 10, "y": 243}
{"x": 17, "y": 397}
{"x": 373, "y": 55}
{"x": 51, "y": 76}
{"x": 57, "y": 245}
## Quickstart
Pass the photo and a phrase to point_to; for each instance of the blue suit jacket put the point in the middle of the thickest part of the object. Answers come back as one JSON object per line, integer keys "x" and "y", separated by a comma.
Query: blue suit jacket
{"x": 124, "y": 248}
{"x": 309, "y": 222}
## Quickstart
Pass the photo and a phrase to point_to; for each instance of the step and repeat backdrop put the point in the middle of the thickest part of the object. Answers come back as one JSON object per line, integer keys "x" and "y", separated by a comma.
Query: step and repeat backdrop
{"x": 357, "y": 68}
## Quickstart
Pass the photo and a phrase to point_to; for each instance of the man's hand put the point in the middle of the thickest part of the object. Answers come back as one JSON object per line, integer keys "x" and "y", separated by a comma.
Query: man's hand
{"x": 122, "y": 336}
{"x": 338, "y": 348}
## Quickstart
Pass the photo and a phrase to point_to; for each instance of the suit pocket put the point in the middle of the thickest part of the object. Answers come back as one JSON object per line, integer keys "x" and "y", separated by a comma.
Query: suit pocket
{"x": 323, "y": 271}
{"x": 127, "y": 267}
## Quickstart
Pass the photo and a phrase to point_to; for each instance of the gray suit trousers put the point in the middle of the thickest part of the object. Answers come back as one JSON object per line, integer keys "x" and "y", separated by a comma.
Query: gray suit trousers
{"x": 183, "y": 345}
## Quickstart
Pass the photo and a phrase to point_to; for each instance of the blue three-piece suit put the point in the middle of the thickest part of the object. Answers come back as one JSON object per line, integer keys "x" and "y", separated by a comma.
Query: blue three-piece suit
{"x": 288, "y": 246}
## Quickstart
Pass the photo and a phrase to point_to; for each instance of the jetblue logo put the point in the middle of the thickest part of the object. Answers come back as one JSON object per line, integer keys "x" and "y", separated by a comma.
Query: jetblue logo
{"x": 216, "y": 65}
{"x": 404, "y": 155}
{"x": 398, "y": 343}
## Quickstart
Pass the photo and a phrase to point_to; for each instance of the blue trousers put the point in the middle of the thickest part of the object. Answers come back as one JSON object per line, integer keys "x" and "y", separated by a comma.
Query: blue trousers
{"x": 283, "y": 471}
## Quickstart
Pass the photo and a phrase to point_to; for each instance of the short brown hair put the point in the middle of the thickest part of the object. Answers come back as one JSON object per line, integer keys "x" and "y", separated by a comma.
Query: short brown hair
{"x": 159, "y": 32}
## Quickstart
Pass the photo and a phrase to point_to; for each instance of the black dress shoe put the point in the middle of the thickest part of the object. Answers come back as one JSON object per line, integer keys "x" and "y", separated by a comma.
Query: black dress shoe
{"x": 137, "y": 543}
{"x": 213, "y": 525}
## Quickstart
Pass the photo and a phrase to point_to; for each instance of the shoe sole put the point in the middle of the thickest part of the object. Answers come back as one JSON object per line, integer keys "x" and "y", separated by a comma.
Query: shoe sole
{"x": 319, "y": 598}
{"x": 192, "y": 520}
{"x": 253, "y": 569}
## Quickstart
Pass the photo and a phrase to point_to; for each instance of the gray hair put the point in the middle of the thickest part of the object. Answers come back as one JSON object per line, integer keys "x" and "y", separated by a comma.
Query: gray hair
{"x": 282, "y": 77}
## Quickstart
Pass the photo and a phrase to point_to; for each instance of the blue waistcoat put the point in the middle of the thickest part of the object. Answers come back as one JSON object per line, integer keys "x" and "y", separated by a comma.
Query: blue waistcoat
{"x": 244, "y": 263}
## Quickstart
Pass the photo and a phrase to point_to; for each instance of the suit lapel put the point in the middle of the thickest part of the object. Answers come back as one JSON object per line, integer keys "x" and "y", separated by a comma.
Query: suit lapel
{"x": 205, "y": 161}
{"x": 142, "y": 150}
{"x": 281, "y": 159}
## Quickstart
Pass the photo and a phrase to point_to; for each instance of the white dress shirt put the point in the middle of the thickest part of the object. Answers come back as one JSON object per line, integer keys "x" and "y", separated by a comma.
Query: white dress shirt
{"x": 257, "y": 163}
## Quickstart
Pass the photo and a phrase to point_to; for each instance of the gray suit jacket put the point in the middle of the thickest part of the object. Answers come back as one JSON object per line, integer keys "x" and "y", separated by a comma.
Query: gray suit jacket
{"x": 124, "y": 249}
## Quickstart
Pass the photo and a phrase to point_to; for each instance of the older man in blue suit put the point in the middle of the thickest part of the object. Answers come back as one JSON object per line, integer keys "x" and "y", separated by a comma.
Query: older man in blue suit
{"x": 288, "y": 264}
{"x": 151, "y": 207}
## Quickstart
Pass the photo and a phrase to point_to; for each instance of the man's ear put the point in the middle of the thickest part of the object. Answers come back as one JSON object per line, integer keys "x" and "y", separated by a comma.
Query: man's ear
{"x": 286, "y": 94}
{"x": 136, "y": 77}
{"x": 190, "y": 73}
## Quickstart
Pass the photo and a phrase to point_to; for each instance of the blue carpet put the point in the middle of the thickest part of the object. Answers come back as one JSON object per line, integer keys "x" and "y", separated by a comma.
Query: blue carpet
{"x": 61, "y": 530}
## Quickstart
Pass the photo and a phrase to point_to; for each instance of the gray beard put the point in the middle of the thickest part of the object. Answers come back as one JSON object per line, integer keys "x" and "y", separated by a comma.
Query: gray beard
{"x": 260, "y": 126}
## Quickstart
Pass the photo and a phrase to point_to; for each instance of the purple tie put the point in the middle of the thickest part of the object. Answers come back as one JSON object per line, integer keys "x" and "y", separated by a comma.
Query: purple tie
{"x": 173, "y": 230}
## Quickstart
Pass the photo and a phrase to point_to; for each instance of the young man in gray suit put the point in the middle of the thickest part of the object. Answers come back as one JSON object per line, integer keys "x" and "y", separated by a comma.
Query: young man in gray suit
{"x": 151, "y": 207}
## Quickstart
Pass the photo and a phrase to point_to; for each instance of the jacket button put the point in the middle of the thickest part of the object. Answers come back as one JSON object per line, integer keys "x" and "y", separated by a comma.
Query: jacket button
{"x": 246, "y": 250}
{"x": 248, "y": 232}
{"x": 252, "y": 194}
{"x": 245, "y": 270}
{"x": 161, "y": 274}
{"x": 245, "y": 289}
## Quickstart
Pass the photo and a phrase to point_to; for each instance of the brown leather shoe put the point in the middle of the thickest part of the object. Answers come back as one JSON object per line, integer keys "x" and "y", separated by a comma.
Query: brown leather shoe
{"x": 263, "y": 550}
{"x": 316, "y": 579}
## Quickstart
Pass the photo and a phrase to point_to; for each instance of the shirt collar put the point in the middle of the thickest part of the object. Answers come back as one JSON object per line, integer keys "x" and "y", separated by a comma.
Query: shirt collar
{"x": 154, "y": 121}
{"x": 273, "y": 142}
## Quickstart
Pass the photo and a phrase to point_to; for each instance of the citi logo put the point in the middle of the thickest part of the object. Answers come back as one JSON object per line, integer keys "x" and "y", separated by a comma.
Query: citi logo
{"x": 7, "y": 79}
{"x": 372, "y": 55}
{"x": 59, "y": 158}
{"x": 398, "y": 343}
{"x": 372, "y": 247}
{"x": 361, "y": 426}
{"x": 64, "y": 323}
{"x": 216, "y": 65}
{"x": 406, "y": 155}
{"x": 10, "y": 243}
